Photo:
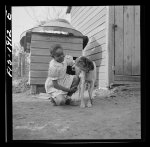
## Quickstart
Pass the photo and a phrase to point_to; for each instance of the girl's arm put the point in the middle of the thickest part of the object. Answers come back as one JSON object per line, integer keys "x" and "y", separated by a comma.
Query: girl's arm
{"x": 57, "y": 86}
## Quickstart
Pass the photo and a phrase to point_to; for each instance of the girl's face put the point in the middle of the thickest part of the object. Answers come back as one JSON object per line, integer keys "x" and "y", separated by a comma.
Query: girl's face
{"x": 59, "y": 55}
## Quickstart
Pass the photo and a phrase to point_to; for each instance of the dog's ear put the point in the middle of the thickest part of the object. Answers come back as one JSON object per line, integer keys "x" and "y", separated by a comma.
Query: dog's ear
{"x": 89, "y": 64}
{"x": 85, "y": 41}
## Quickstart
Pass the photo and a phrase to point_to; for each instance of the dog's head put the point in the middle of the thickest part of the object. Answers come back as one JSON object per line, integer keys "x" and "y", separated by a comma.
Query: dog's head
{"x": 83, "y": 64}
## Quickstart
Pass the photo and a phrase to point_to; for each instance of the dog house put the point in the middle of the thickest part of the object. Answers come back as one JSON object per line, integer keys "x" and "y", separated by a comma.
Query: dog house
{"x": 114, "y": 40}
{"x": 37, "y": 41}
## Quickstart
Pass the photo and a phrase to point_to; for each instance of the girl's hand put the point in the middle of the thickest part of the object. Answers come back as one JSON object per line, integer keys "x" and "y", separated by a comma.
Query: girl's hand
{"x": 73, "y": 89}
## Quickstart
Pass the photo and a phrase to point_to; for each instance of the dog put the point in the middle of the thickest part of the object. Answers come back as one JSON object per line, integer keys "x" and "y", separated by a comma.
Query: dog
{"x": 86, "y": 70}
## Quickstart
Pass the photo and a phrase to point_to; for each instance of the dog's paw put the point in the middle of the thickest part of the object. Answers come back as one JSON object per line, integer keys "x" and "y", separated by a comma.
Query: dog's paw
{"x": 89, "y": 104}
{"x": 82, "y": 105}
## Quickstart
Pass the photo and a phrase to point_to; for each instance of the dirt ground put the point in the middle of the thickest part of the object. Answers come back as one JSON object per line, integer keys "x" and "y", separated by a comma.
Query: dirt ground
{"x": 115, "y": 115}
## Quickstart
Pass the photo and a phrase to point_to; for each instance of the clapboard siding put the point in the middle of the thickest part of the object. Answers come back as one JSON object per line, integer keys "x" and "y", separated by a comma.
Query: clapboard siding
{"x": 47, "y": 45}
{"x": 87, "y": 24}
{"x": 78, "y": 12}
{"x": 101, "y": 41}
{"x": 40, "y": 74}
{"x": 82, "y": 14}
{"x": 95, "y": 25}
{"x": 45, "y": 52}
{"x": 92, "y": 12}
{"x": 37, "y": 81}
{"x": 91, "y": 21}
{"x": 40, "y": 59}
{"x": 39, "y": 66}
{"x": 98, "y": 35}
{"x": 97, "y": 30}
{"x": 73, "y": 9}
{"x": 95, "y": 50}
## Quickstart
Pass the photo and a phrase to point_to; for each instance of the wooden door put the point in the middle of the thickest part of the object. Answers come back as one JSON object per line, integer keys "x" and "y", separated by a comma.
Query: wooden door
{"x": 127, "y": 43}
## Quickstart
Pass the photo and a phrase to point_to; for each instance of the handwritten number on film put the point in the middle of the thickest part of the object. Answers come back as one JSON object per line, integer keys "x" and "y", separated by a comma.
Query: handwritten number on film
{"x": 8, "y": 45}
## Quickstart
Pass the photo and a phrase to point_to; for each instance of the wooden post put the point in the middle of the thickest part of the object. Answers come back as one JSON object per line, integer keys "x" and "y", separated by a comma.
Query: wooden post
{"x": 110, "y": 43}
{"x": 33, "y": 89}
{"x": 19, "y": 64}
{"x": 23, "y": 64}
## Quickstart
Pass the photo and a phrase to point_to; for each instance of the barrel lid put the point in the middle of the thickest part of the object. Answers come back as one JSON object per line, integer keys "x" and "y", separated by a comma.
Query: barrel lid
{"x": 56, "y": 25}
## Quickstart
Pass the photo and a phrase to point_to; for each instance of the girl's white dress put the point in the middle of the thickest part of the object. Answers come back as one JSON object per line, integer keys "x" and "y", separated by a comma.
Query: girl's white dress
{"x": 57, "y": 71}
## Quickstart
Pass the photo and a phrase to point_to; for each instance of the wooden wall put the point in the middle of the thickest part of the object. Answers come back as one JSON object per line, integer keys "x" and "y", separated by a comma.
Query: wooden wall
{"x": 127, "y": 42}
{"x": 40, "y": 56}
{"x": 91, "y": 21}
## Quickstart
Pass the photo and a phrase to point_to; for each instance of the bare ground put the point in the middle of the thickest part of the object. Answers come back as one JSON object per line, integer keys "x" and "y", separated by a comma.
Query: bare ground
{"x": 114, "y": 115}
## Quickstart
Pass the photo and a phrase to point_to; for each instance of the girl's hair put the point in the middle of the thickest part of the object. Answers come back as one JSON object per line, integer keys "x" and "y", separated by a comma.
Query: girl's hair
{"x": 53, "y": 49}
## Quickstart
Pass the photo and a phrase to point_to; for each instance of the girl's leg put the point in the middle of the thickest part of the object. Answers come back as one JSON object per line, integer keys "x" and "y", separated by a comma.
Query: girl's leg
{"x": 60, "y": 100}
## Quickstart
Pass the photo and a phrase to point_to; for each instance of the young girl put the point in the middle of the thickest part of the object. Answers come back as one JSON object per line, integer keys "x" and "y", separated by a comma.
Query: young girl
{"x": 59, "y": 84}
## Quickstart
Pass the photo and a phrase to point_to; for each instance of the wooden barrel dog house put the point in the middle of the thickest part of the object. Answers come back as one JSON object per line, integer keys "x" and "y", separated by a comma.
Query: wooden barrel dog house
{"x": 38, "y": 41}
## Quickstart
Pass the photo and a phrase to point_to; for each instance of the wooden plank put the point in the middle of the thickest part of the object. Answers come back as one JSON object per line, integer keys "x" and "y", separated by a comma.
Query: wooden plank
{"x": 128, "y": 38}
{"x": 94, "y": 25}
{"x": 84, "y": 19}
{"x": 94, "y": 20}
{"x": 80, "y": 16}
{"x": 96, "y": 43}
{"x": 91, "y": 16}
{"x": 77, "y": 11}
{"x": 33, "y": 89}
{"x": 94, "y": 50}
{"x": 37, "y": 81}
{"x": 40, "y": 59}
{"x": 73, "y": 17}
{"x": 77, "y": 24}
{"x": 40, "y": 37}
{"x": 98, "y": 35}
{"x": 100, "y": 55}
{"x": 127, "y": 78}
{"x": 100, "y": 62}
{"x": 73, "y": 9}
{"x": 110, "y": 43}
{"x": 96, "y": 30}
{"x": 136, "y": 48}
{"x": 41, "y": 44}
{"x": 39, "y": 66}
{"x": 45, "y": 52}
{"x": 119, "y": 40}
{"x": 38, "y": 74}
